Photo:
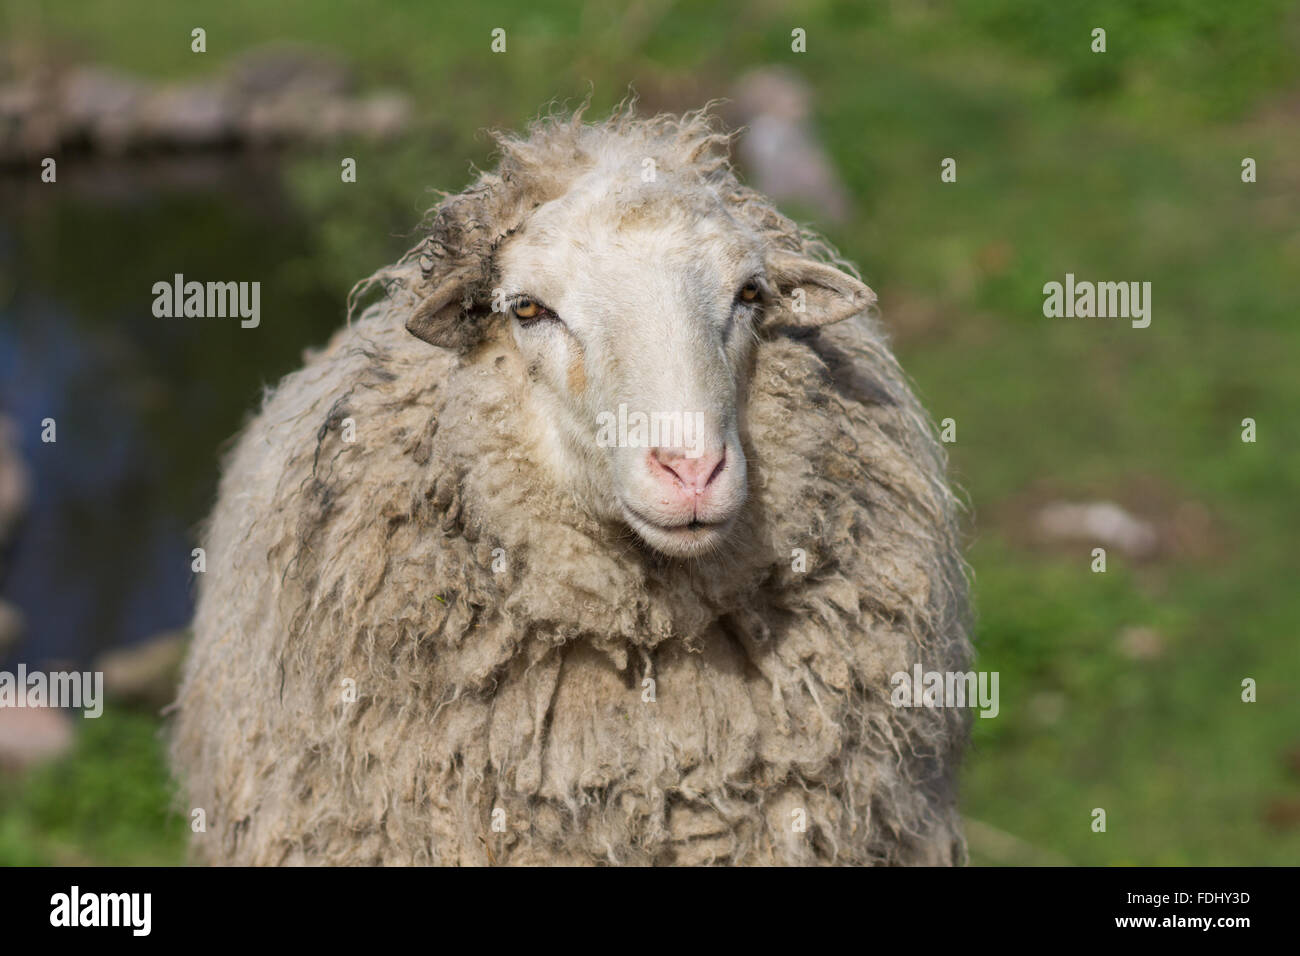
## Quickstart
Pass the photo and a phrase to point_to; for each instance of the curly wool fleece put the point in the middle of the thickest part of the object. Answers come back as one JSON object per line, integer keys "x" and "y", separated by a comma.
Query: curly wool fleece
{"x": 411, "y": 647}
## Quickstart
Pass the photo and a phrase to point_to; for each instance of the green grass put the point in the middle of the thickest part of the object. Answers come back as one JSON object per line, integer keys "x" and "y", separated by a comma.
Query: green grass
{"x": 1119, "y": 166}
{"x": 109, "y": 801}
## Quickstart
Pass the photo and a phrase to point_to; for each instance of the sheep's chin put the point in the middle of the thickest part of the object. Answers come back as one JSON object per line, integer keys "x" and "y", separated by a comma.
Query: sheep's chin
{"x": 683, "y": 541}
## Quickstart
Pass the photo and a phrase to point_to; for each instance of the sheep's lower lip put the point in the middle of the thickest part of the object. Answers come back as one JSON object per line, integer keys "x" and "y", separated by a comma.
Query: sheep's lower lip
{"x": 679, "y": 540}
{"x": 694, "y": 525}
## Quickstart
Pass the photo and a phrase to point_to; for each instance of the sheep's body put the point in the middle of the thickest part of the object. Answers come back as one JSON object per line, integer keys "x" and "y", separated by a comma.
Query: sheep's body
{"x": 513, "y": 680}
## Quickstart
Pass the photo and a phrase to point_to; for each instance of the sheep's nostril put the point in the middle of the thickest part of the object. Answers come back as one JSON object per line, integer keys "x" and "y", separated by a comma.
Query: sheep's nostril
{"x": 692, "y": 473}
{"x": 717, "y": 469}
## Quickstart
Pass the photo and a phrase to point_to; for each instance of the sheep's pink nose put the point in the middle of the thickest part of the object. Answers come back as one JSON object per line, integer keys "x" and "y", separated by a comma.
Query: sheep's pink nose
{"x": 692, "y": 474}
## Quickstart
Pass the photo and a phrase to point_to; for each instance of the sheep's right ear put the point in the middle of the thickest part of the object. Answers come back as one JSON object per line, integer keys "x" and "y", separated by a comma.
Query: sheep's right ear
{"x": 448, "y": 318}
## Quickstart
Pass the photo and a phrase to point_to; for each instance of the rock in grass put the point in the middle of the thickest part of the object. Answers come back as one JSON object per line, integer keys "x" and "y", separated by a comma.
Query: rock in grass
{"x": 33, "y": 735}
{"x": 145, "y": 674}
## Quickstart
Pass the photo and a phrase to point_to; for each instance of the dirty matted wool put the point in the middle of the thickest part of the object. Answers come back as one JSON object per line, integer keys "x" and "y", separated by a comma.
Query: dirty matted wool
{"x": 411, "y": 648}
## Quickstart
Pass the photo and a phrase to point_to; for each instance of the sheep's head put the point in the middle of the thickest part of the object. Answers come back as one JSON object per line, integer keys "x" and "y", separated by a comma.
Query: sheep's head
{"x": 636, "y": 303}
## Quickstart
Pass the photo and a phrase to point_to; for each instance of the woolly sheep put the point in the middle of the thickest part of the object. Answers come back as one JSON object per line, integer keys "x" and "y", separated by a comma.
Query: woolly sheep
{"x": 441, "y": 623}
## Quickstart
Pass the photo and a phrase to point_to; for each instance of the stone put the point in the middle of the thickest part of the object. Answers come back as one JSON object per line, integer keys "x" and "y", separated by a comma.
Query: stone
{"x": 146, "y": 673}
{"x": 33, "y": 735}
{"x": 779, "y": 146}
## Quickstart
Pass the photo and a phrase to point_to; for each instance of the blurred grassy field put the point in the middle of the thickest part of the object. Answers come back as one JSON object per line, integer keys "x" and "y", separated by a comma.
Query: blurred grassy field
{"x": 1122, "y": 166}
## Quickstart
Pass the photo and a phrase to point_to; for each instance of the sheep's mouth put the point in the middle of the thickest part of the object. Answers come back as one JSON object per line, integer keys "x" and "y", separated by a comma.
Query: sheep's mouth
{"x": 681, "y": 540}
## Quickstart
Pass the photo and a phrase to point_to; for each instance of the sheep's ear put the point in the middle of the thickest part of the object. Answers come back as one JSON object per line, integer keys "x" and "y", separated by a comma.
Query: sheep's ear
{"x": 811, "y": 293}
{"x": 448, "y": 318}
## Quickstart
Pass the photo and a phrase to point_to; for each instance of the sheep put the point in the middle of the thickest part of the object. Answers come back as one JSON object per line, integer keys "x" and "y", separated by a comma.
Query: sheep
{"x": 442, "y": 624}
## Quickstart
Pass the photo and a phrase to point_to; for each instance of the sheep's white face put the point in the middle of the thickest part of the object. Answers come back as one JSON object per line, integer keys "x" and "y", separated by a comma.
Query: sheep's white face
{"x": 634, "y": 307}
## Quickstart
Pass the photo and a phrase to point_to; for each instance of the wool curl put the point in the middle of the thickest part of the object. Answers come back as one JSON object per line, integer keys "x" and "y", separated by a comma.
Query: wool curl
{"x": 412, "y": 648}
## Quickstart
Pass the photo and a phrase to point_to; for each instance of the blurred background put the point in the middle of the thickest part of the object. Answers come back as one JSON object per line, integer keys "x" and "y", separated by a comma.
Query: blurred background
{"x": 1119, "y": 690}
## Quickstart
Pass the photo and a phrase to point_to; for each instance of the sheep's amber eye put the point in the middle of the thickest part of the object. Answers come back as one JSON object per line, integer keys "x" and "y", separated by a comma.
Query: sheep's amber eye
{"x": 526, "y": 308}
{"x": 749, "y": 291}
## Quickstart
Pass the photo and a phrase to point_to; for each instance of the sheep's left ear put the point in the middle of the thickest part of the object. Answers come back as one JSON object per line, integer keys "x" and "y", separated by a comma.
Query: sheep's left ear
{"x": 448, "y": 317}
{"x": 811, "y": 293}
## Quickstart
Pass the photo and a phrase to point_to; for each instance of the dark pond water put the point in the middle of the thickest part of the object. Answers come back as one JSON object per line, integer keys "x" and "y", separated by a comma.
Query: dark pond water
{"x": 143, "y": 405}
